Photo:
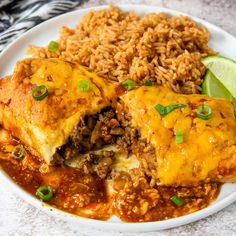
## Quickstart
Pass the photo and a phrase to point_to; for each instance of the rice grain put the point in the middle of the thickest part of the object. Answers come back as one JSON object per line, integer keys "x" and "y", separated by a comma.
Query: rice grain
{"x": 118, "y": 46}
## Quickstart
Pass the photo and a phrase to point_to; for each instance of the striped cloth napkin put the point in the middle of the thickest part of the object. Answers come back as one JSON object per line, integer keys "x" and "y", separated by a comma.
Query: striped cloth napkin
{"x": 17, "y": 16}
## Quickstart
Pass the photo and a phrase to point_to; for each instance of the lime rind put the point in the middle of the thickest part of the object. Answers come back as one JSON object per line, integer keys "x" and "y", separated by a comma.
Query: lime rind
{"x": 208, "y": 59}
{"x": 224, "y": 69}
{"x": 214, "y": 88}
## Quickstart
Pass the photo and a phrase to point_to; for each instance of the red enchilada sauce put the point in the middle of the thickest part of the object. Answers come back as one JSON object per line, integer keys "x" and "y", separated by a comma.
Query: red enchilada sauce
{"x": 86, "y": 195}
{"x": 73, "y": 190}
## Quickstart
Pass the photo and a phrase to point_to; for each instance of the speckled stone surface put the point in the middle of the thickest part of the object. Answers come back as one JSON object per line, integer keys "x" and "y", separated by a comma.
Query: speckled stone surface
{"x": 17, "y": 217}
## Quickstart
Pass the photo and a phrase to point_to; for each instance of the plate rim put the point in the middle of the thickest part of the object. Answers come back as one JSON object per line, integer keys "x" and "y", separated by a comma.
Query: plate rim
{"x": 115, "y": 226}
{"x": 108, "y": 225}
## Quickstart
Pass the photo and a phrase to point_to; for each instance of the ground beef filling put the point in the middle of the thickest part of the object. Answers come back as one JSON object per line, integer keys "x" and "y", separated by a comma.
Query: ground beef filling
{"x": 105, "y": 128}
{"x": 131, "y": 142}
{"x": 93, "y": 133}
{"x": 94, "y": 163}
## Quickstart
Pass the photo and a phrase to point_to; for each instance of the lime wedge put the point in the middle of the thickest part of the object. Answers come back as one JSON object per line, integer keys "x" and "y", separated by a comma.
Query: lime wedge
{"x": 224, "y": 69}
{"x": 214, "y": 88}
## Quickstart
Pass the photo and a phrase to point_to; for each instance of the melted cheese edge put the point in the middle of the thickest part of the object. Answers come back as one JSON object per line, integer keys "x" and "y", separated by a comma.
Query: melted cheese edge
{"x": 46, "y": 125}
{"x": 205, "y": 142}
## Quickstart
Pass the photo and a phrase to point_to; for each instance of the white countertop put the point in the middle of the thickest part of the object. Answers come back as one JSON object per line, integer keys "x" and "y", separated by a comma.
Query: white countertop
{"x": 17, "y": 217}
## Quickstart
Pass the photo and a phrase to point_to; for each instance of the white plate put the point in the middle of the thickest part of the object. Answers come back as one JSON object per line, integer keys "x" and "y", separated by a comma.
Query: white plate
{"x": 221, "y": 41}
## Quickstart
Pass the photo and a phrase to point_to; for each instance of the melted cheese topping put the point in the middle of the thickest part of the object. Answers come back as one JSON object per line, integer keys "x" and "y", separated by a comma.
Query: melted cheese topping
{"x": 45, "y": 125}
{"x": 61, "y": 79}
{"x": 206, "y": 142}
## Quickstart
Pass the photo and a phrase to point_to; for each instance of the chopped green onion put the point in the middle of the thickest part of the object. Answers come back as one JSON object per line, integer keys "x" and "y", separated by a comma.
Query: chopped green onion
{"x": 18, "y": 152}
{"x": 179, "y": 136}
{"x": 128, "y": 84}
{"x": 84, "y": 85}
{"x": 53, "y": 46}
{"x": 148, "y": 83}
{"x": 165, "y": 110}
{"x": 44, "y": 193}
{"x": 204, "y": 112}
{"x": 178, "y": 201}
{"x": 40, "y": 92}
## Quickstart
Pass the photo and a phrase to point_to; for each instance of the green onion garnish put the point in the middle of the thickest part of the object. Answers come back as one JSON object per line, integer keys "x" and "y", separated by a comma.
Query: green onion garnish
{"x": 178, "y": 201}
{"x": 44, "y": 193}
{"x": 165, "y": 110}
{"x": 53, "y": 46}
{"x": 179, "y": 136}
{"x": 204, "y": 112}
{"x": 84, "y": 85}
{"x": 18, "y": 152}
{"x": 128, "y": 84}
{"x": 148, "y": 83}
{"x": 40, "y": 92}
